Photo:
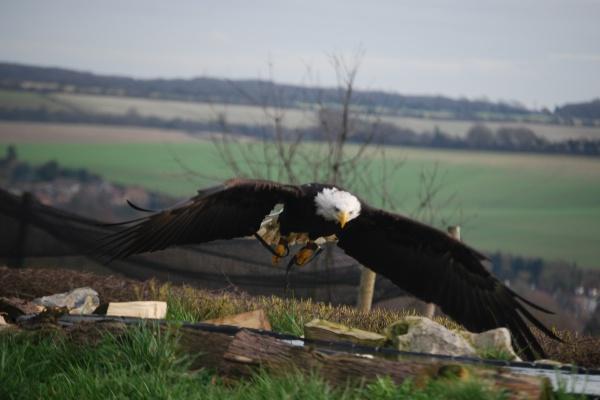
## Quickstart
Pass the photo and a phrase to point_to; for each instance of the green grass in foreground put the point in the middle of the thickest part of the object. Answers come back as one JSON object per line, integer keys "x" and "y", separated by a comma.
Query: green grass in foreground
{"x": 145, "y": 363}
{"x": 531, "y": 205}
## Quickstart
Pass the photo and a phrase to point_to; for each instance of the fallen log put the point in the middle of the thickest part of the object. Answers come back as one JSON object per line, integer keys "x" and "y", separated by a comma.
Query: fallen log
{"x": 243, "y": 353}
{"x": 248, "y": 351}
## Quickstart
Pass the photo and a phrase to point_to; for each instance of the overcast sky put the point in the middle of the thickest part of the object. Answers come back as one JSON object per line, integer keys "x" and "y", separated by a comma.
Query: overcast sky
{"x": 537, "y": 52}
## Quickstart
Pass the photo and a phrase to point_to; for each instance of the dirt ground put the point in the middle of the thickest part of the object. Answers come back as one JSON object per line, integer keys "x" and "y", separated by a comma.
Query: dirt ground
{"x": 29, "y": 283}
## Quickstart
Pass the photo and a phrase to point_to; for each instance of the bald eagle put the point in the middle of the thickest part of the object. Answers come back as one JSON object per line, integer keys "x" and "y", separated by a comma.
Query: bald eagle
{"x": 420, "y": 259}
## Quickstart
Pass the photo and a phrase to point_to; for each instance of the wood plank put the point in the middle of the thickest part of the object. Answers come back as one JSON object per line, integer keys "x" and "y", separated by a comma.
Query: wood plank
{"x": 139, "y": 309}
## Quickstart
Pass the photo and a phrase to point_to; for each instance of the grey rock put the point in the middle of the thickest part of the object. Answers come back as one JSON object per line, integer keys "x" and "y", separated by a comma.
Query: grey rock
{"x": 79, "y": 301}
{"x": 421, "y": 334}
{"x": 495, "y": 341}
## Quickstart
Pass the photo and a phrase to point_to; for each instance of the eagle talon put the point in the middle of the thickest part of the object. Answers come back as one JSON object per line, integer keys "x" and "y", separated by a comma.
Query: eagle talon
{"x": 307, "y": 254}
{"x": 282, "y": 249}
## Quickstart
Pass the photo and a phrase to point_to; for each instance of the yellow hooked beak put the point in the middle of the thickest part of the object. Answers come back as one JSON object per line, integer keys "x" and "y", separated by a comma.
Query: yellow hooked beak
{"x": 342, "y": 218}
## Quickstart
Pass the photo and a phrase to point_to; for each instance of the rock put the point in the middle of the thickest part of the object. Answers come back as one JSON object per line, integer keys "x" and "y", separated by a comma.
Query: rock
{"x": 421, "y": 334}
{"x": 253, "y": 319}
{"x": 319, "y": 329}
{"x": 138, "y": 309}
{"x": 13, "y": 307}
{"x": 495, "y": 343}
{"x": 79, "y": 301}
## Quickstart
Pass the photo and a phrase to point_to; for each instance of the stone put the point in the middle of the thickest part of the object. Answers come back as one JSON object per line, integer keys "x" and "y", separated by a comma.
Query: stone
{"x": 494, "y": 341}
{"x": 138, "y": 309}
{"x": 256, "y": 319}
{"x": 319, "y": 329}
{"x": 82, "y": 300}
{"x": 420, "y": 334}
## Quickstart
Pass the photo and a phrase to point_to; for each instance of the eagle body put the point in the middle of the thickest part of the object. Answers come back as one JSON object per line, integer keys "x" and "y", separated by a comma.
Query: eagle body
{"x": 299, "y": 215}
{"x": 418, "y": 258}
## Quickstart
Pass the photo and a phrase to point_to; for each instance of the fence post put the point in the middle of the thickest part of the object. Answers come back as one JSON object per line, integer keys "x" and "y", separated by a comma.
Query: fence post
{"x": 453, "y": 231}
{"x": 366, "y": 289}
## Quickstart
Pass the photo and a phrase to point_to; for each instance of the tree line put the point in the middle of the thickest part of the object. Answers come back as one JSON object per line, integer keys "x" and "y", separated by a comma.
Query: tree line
{"x": 479, "y": 136}
{"x": 205, "y": 89}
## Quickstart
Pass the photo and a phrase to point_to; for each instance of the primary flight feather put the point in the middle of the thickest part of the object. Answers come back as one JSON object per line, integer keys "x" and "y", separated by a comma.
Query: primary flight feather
{"x": 420, "y": 259}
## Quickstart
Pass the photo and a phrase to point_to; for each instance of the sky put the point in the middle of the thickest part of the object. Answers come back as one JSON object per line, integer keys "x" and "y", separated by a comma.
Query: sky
{"x": 540, "y": 53}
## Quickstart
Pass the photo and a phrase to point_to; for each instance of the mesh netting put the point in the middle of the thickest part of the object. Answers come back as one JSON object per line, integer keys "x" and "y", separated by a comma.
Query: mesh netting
{"x": 33, "y": 234}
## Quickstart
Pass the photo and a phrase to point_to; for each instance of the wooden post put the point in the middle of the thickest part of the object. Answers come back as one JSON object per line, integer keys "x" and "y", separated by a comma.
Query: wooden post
{"x": 453, "y": 231}
{"x": 365, "y": 290}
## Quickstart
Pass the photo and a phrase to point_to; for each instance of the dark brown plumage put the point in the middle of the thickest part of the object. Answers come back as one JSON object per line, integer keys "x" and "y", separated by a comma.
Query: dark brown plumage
{"x": 418, "y": 258}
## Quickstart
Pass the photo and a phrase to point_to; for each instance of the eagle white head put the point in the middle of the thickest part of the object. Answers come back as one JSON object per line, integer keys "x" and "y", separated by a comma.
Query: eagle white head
{"x": 337, "y": 205}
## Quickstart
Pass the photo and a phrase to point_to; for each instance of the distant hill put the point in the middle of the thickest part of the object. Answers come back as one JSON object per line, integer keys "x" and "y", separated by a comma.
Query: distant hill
{"x": 587, "y": 111}
{"x": 33, "y": 78}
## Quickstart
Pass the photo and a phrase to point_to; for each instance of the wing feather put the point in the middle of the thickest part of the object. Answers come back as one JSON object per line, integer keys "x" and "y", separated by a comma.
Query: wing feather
{"x": 437, "y": 268}
{"x": 233, "y": 209}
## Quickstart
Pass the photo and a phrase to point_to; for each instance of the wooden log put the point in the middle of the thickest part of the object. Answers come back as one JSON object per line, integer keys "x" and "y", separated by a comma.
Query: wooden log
{"x": 241, "y": 355}
{"x": 206, "y": 348}
{"x": 13, "y": 307}
{"x": 248, "y": 351}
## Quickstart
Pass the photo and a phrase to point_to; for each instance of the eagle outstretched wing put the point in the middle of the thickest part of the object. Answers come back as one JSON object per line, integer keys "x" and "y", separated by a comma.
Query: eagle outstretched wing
{"x": 436, "y": 268}
{"x": 234, "y": 209}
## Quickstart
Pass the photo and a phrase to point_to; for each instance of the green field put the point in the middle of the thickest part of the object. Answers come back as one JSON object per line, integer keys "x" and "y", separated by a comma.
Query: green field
{"x": 532, "y": 205}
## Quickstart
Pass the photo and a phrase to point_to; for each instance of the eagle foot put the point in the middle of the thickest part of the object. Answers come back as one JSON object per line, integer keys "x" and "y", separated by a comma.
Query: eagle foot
{"x": 307, "y": 254}
{"x": 281, "y": 250}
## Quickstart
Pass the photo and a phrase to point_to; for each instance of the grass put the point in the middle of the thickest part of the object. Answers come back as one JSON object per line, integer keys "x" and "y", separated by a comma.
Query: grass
{"x": 492, "y": 353}
{"x": 536, "y": 206}
{"x": 286, "y": 315}
{"x": 145, "y": 363}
